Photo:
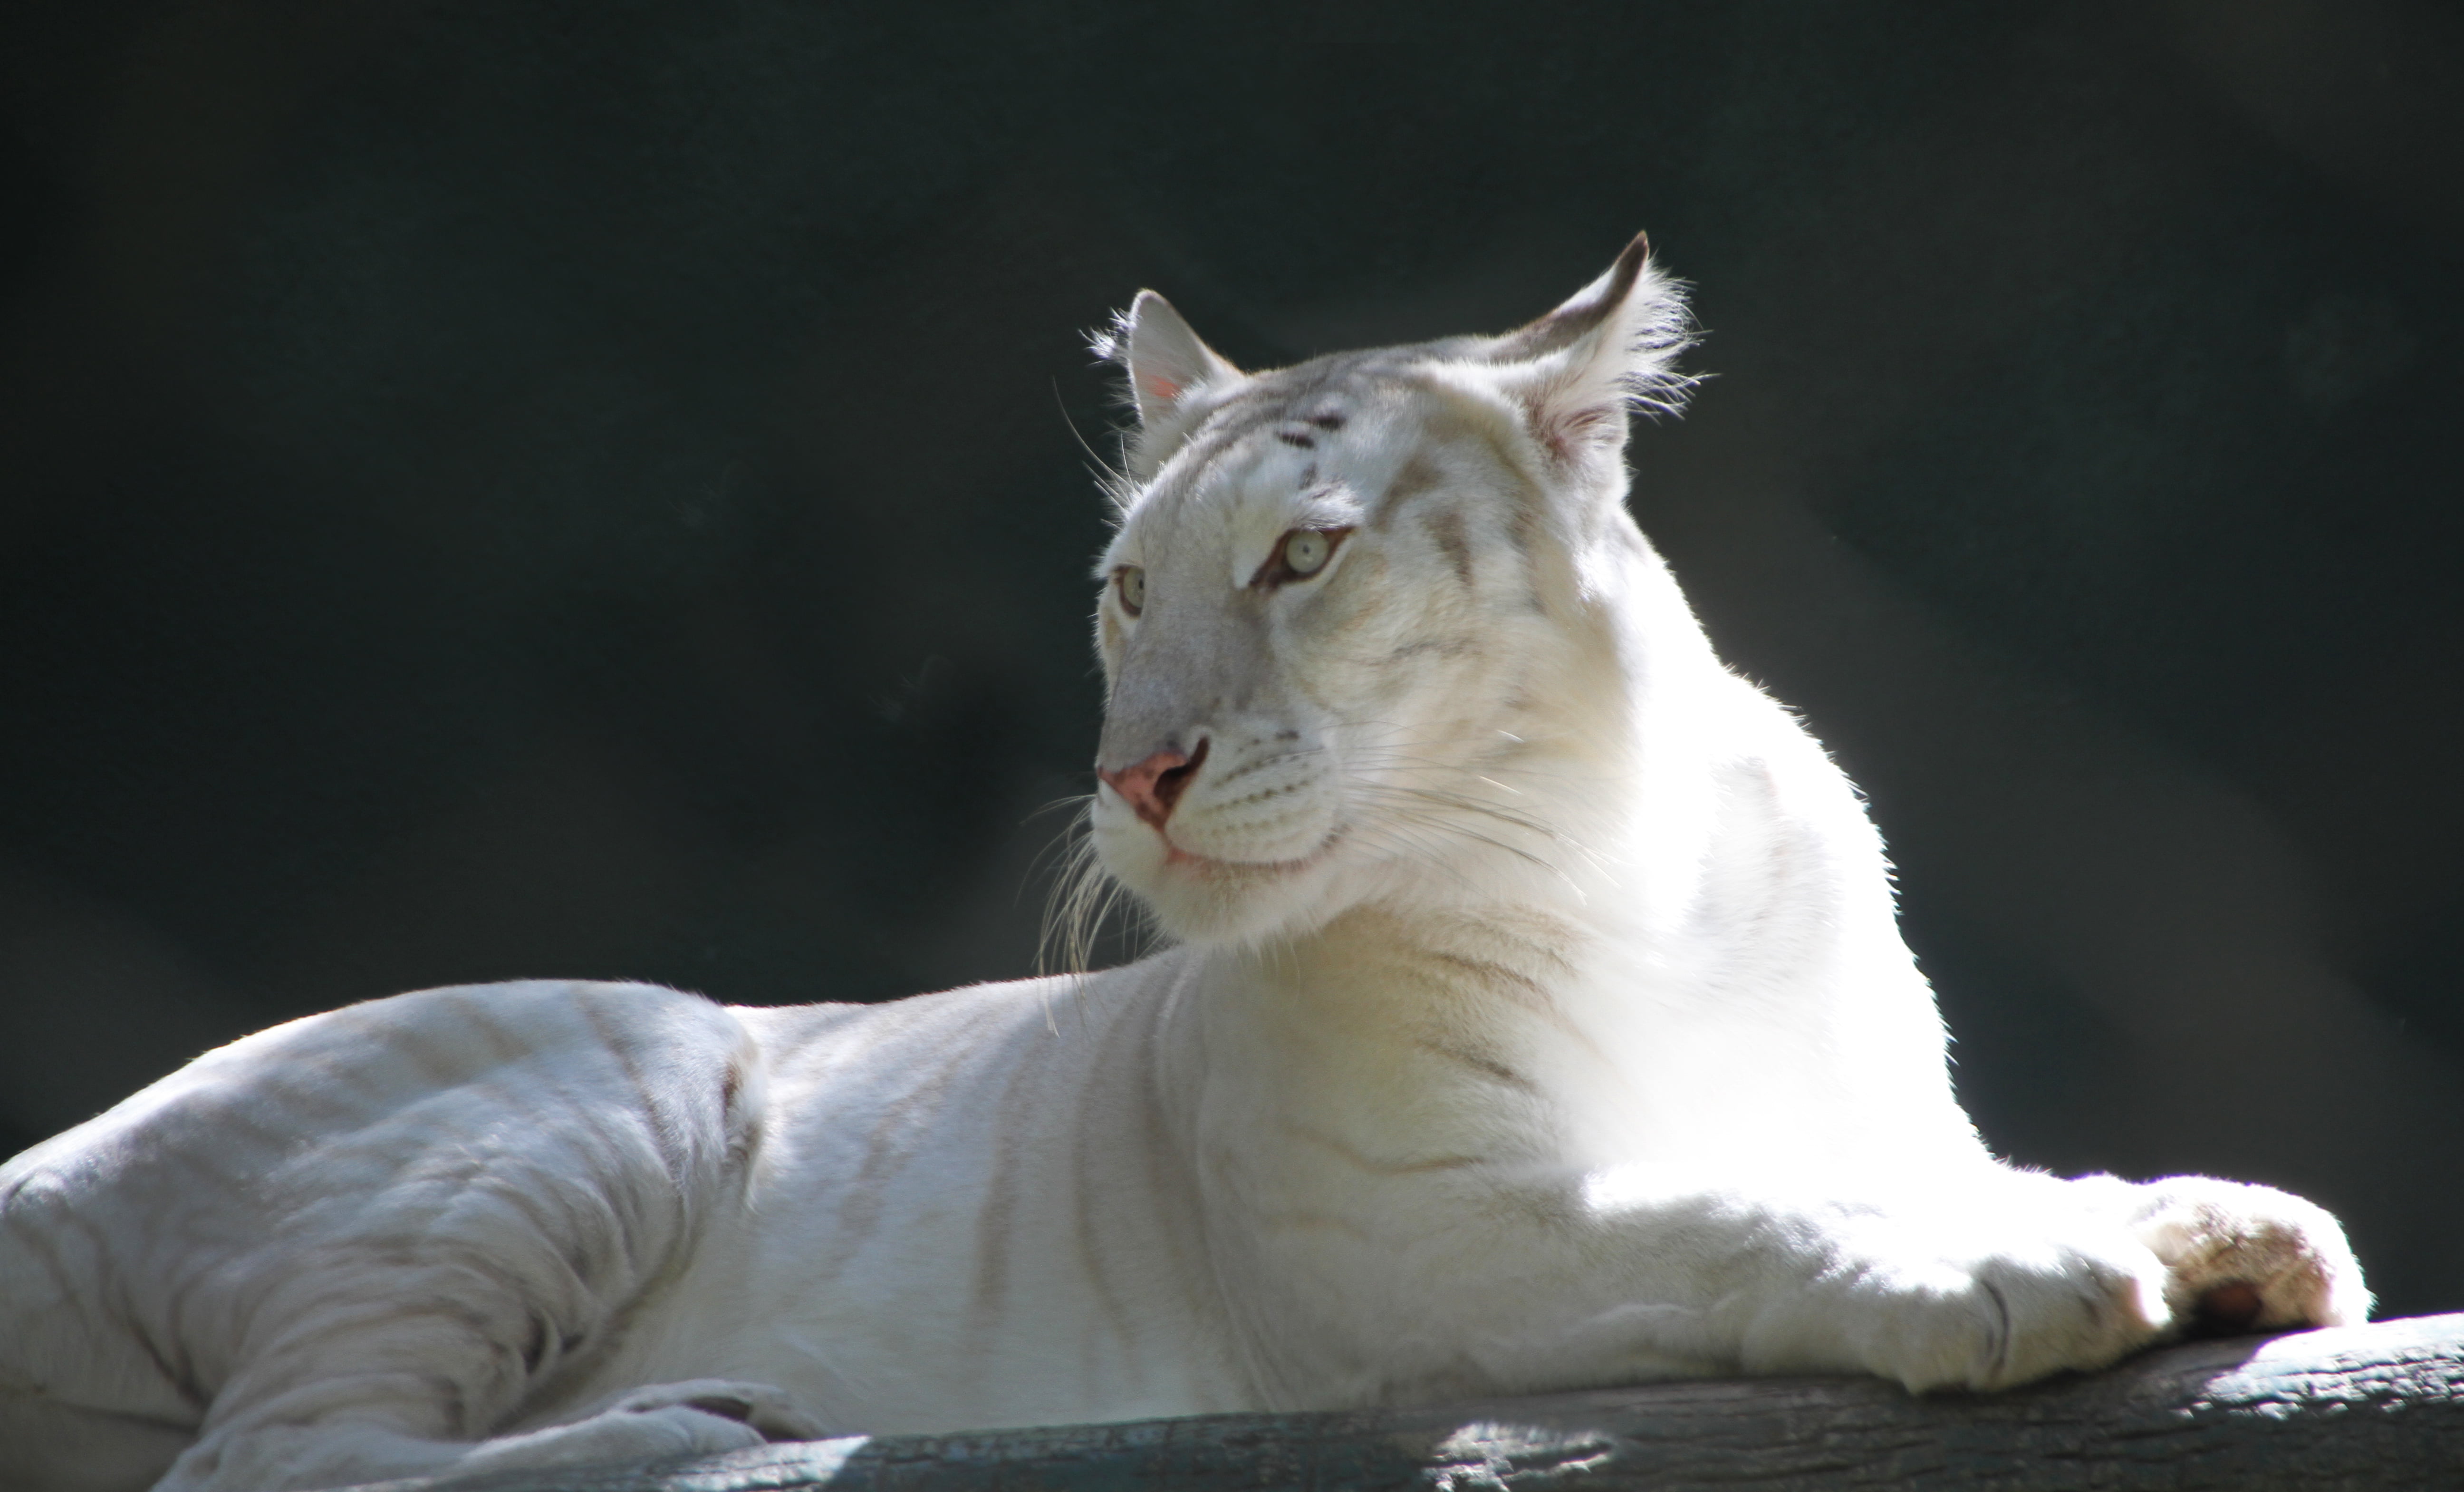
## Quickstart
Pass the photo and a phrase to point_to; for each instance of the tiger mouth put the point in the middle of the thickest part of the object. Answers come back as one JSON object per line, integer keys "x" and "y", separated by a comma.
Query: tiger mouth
{"x": 1209, "y": 868}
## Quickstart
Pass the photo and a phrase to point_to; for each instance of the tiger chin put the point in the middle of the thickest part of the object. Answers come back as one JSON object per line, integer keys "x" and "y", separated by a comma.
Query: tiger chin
{"x": 1534, "y": 1016}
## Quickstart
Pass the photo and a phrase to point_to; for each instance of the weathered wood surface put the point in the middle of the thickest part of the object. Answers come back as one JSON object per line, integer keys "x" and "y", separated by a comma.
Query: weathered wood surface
{"x": 2366, "y": 1407}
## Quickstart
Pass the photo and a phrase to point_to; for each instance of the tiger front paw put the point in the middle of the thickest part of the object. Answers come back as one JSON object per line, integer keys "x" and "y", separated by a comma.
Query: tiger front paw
{"x": 2240, "y": 1258}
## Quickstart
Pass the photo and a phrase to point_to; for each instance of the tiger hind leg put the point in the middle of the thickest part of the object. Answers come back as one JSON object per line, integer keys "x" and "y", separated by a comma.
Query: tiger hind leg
{"x": 366, "y": 1244}
{"x": 699, "y": 1416}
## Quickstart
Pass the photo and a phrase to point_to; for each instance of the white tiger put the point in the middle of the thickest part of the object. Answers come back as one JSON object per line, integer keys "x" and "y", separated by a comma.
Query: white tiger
{"x": 1537, "y": 1018}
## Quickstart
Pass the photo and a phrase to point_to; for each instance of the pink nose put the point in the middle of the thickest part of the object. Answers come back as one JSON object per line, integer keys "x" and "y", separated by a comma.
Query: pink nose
{"x": 1155, "y": 784}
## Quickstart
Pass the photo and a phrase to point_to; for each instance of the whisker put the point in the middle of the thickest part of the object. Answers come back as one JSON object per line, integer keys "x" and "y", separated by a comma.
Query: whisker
{"x": 1457, "y": 833}
{"x": 1454, "y": 801}
{"x": 1078, "y": 906}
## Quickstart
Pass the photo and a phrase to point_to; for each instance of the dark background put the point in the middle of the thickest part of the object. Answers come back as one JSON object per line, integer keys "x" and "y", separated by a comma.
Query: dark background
{"x": 591, "y": 488}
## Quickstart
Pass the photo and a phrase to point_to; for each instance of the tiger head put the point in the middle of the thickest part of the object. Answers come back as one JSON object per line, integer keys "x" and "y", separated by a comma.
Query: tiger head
{"x": 1365, "y": 624}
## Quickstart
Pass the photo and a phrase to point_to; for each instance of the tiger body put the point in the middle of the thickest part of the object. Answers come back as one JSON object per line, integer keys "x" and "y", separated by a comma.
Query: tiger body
{"x": 1538, "y": 1018}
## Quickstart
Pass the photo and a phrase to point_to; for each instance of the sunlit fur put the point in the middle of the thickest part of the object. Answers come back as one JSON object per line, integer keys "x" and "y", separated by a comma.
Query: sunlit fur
{"x": 1534, "y": 1016}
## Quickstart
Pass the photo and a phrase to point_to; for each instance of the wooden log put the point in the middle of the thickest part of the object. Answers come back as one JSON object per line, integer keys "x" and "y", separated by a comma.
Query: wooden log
{"x": 2370, "y": 1406}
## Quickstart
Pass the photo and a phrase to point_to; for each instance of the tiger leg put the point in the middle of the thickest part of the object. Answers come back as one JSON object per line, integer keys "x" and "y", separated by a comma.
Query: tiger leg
{"x": 361, "y": 1245}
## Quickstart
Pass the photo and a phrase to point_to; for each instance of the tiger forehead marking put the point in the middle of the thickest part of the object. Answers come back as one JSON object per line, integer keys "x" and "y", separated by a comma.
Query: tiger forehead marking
{"x": 1402, "y": 438}
{"x": 1417, "y": 475}
{"x": 1446, "y": 527}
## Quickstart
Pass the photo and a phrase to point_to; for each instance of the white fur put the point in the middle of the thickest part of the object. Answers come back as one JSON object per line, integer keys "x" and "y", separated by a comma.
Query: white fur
{"x": 1537, "y": 1018}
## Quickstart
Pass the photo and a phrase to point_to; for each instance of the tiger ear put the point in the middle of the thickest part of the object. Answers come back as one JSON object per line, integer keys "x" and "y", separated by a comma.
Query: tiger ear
{"x": 1611, "y": 347}
{"x": 1165, "y": 361}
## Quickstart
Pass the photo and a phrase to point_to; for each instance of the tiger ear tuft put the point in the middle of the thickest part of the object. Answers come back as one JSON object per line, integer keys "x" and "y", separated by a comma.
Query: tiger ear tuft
{"x": 1164, "y": 360}
{"x": 1611, "y": 346}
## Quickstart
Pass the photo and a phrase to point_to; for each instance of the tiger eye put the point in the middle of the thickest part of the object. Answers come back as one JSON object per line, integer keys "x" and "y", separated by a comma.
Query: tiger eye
{"x": 1306, "y": 551}
{"x": 1134, "y": 589}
